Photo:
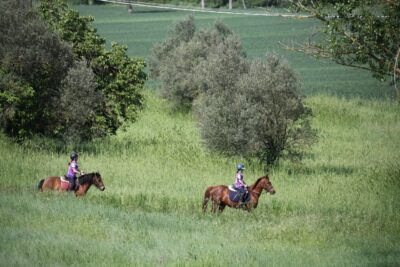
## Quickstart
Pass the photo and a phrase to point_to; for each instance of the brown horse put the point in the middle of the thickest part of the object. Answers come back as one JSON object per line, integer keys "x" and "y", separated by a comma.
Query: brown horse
{"x": 219, "y": 195}
{"x": 85, "y": 182}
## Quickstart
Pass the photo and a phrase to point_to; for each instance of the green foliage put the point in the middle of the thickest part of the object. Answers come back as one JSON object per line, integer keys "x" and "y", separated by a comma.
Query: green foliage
{"x": 261, "y": 116}
{"x": 362, "y": 34}
{"x": 34, "y": 61}
{"x": 120, "y": 79}
{"x": 244, "y": 108}
{"x": 15, "y": 95}
{"x": 181, "y": 61}
{"x": 79, "y": 105}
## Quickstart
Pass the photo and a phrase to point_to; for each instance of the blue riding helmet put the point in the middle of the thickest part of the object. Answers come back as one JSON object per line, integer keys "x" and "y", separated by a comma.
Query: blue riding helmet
{"x": 74, "y": 155}
{"x": 240, "y": 167}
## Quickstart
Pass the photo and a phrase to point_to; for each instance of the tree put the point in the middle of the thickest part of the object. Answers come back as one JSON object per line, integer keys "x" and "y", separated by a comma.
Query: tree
{"x": 359, "y": 33}
{"x": 56, "y": 77}
{"x": 33, "y": 62}
{"x": 79, "y": 105}
{"x": 247, "y": 108}
{"x": 261, "y": 116}
{"x": 120, "y": 79}
{"x": 181, "y": 62}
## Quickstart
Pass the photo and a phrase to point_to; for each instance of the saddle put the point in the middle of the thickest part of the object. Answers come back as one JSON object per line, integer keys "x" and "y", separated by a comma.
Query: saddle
{"x": 235, "y": 195}
{"x": 64, "y": 183}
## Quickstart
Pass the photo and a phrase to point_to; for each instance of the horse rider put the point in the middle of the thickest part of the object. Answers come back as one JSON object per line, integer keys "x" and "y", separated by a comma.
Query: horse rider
{"x": 73, "y": 170}
{"x": 240, "y": 185}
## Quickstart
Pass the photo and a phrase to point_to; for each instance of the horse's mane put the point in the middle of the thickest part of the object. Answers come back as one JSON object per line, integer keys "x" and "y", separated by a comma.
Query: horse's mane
{"x": 86, "y": 178}
{"x": 258, "y": 180}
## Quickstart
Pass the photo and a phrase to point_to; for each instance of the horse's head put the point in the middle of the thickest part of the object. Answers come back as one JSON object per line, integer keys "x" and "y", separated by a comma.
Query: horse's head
{"x": 267, "y": 185}
{"x": 98, "y": 182}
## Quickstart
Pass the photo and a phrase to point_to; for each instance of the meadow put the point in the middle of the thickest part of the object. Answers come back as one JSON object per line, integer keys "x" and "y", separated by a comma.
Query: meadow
{"x": 338, "y": 207}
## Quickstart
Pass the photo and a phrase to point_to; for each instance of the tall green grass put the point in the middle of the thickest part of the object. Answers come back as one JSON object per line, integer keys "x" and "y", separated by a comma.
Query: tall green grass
{"x": 338, "y": 208}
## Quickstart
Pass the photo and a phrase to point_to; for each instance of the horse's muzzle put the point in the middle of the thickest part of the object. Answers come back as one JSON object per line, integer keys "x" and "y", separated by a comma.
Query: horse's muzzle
{"x": 272, "y": 191}
{"x": 102, "y": 188}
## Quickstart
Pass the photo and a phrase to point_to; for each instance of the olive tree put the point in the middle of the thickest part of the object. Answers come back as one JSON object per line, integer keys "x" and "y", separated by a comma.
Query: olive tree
{"x": 261, "y": 116}
{"x": 181, "y": 62}
{"x": 248, "y": 108}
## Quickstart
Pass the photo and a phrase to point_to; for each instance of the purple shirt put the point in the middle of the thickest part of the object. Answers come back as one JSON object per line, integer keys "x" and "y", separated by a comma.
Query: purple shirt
{"x": 73, "y": 165}
{"x": 239, "y": 183}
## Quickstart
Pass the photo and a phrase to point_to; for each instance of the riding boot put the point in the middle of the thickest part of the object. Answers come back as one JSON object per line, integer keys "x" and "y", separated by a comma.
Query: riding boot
{"x": 241, "y": 198}
{"x": 76, "y": 186}
{"x": 71, "y": 185}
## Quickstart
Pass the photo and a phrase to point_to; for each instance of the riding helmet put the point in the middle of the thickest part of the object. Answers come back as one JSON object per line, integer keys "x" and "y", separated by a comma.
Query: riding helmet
{"x": 74, "y": 155}
{"x": 240, "y": 167}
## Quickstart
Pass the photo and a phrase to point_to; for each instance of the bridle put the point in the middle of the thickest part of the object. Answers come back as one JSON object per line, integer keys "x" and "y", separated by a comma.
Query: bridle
{"x": 96, "y": 182}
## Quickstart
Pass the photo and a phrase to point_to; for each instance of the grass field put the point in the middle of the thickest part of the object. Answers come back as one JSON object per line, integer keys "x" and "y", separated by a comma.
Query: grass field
{"x": 339, "y": 207}
{"x": 259, "y": 35}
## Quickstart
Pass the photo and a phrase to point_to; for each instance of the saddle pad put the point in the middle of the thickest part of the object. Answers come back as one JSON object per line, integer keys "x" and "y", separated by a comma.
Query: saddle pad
{"x": 64, "y": 183}
{"x": 235, "y": 195}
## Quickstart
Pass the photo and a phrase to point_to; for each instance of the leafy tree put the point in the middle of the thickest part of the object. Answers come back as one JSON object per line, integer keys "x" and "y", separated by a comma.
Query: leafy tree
{"x": 359, "y": 33}
{"x": 181, "y": 61}
{"x": 43, "y": 77}
{"x": 247, "y": 108}
{"x": 261, "y": 116}
{"x": 79, "y": 105}
{"x": 120, "y": 79}
{"x": 33, "y": 62}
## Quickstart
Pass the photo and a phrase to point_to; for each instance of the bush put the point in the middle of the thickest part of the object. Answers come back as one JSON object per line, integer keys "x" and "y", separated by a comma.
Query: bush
{"x": 261, "y": 116}
{"x": 36, "y": 53}
{"x": 79, "y": 104}
{"x": 120, "y": 79}
{"x": 33, "y": 62}
{"x": 181, "y": 61}
{"x": 246, "y": 108}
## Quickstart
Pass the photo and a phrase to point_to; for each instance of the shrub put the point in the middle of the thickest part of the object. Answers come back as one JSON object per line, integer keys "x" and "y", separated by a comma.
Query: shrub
{"x": 261, "y": 116}
{"x": 34, "y": 61}
{"x": 79, "y": 104}
{"x": 37, "y": 50}
{"x": 181, "y": 61}
{"x": 247, "y": 108}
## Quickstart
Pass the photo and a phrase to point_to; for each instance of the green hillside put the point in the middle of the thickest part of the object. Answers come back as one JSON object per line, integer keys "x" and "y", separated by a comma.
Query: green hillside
{"x": 259, "y": 35}
{"x": 339, "y": 207}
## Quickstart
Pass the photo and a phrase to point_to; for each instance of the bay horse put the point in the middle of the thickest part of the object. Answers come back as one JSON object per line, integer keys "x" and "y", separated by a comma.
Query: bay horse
{"x": 219, "y": 195}
{"x": 85, "y": 182}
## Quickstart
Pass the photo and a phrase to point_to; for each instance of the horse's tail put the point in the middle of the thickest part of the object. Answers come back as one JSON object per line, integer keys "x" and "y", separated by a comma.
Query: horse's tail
{"x": 40, "y": 184}
{"x": 206, "y": 198}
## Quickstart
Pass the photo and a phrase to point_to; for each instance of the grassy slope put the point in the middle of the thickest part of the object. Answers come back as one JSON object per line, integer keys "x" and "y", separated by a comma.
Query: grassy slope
{"x": 259, "y": 35}
{"x": 339, "y": 208}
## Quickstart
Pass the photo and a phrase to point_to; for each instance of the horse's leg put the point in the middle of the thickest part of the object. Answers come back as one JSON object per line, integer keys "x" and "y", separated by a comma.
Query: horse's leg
{"x": 40, "y": 185}
{"x": 214, "y": 206}
{"x": 205, "y": 204}
{"x": 206, "y": 199}
{"x": 221, "y": 207}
